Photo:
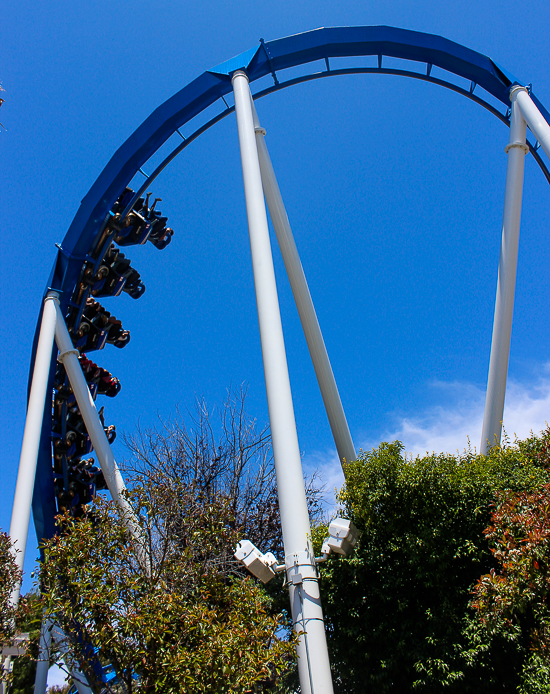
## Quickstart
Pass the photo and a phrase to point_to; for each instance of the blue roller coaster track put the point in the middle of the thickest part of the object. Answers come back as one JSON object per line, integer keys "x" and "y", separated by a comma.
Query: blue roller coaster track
{"x": 90, "y": 265}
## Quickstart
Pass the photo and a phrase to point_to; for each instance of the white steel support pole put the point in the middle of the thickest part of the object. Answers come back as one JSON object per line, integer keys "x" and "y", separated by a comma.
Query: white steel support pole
{"x": 22, "y": 503}
{"x": 68, "y": 355}
{"x": 49, "y": 629}
{"x": 534, "y": 118}
{"x": 43, "y": 662}
{"x": 304, "y": 303}
{"x": 307, "y": 615}
{"x": 506, "y": 284}
{"x": 78, "y": 678}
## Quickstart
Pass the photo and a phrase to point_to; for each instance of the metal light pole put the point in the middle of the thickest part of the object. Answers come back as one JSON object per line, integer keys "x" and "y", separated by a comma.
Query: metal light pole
{"x": 304, "y": 303}
{"x": 506, "y": 284}
{"x": 307, "y": 615}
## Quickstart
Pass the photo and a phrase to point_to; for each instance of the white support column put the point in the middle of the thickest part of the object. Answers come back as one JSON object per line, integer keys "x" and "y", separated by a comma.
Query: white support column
{"x": 304, "y": 303}
{"x": 22, "y": 503}
{"x": 534, "y": 118}
{"x": 68, "y": 355}
{"x": 307, "y": 615}
{"x": 79, "y": 678}
{"x": 43, "y": 662}
{"x": 506, "y": 284}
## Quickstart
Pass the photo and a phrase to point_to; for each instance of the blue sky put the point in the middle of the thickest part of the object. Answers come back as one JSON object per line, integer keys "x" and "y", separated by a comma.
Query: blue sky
{"x": 394, "y": 190}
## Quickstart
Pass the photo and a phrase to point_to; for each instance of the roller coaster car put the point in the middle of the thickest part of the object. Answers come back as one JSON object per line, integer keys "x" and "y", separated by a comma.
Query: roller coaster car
{"x": 98, "y": 327}
{"x": 117, "y": 335}
{"x": 123, "y": 201}
{"x": 105, "y": 382}
{"x": 74, "y": 444}
{"x": 89, "y": 337}
{"x": 110, "y": 282}
{"x": 114, "y": 276}
{"x": 135, "y": 230}
{"x": 161, "y": 235}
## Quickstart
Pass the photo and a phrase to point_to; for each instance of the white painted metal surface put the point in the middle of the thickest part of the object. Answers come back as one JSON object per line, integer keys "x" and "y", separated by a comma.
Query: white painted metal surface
{"x": 534, "y": 118}
{"x": 304, "y": 303}
{"x": 506, "y": 284}
{"x": 69, "y": 356}
{"x": 78, "y": 678}
{"x": 313, "y": 663}
{"x": 43, "y": 662}
{"x": 22, "y": 503}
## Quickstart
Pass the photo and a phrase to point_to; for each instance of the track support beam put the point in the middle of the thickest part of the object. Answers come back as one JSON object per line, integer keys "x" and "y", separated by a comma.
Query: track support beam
{"x": 506, "y": 284}
{"x": 43, "y": 662}
{"x": 68, "y": 355}
{"x": 534, "y": 118}
{"x": 22, "y": 503}
{"x": 304, "y": 303}
{"x": 307, "y": 615}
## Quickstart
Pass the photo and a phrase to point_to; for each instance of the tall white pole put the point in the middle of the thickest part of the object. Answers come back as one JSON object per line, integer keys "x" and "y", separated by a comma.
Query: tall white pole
{"x": 534, "y": 118}
{"x": 304, "y": 303}
{"x": 43, "y": 662}
{"x": 506, "y": 284}
{"x": 78, "y": 678}
{"x": 68, "y": 355}
{"x": 307, "y": 615}
{"x": 22, "y": 503}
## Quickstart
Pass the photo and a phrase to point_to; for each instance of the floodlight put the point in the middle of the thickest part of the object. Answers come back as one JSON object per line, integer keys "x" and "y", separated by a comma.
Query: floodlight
{"x": 262, "y": 566}
{"x": 343, "y": 536}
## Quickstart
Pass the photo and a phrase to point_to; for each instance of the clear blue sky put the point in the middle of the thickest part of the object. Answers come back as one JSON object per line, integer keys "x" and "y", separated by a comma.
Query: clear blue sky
{"x": 394, "y": 189}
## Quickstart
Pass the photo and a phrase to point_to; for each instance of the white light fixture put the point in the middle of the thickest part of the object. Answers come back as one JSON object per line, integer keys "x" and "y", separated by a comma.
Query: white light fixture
{"x": 263, "y": 566}
{"x": 343, "y": 536}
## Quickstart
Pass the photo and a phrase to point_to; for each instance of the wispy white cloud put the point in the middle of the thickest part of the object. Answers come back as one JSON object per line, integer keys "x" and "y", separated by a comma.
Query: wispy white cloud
{"x": 457, "y": 418}
{"x": 451, "y": 424}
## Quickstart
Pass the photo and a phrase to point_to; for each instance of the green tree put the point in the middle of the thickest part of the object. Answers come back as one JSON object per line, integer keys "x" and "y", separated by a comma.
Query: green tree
{"x": 512, "y": 600}
{"x": 28, "y": 620}
{"x": 10, "y": 576}
{"x": 397, "y": 610}
{"x": 181, "y": 624}
{"x": 221, "y": 453}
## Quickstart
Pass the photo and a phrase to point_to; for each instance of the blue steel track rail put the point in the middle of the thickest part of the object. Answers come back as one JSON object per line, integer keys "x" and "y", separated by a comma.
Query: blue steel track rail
{"x": 86, "y": 234}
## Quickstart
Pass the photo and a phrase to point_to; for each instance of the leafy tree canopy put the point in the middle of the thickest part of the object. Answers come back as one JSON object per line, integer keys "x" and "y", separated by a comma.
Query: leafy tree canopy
{"x": 512, "y": 600}
{"x": 28, "y": 620}
{"x": 10, "y": 576}
{"x": 186, "y": 620}
{"x": 398, "y": 610}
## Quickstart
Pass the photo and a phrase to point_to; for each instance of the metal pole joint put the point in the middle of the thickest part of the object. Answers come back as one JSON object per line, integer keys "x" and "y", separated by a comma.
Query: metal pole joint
{"x": 301, "y": 564}
{"x": 61, "y": 356}
{"x": 239, "y": 73}
{"x": 515, "y": 89}
{"x": 521, "y": 145}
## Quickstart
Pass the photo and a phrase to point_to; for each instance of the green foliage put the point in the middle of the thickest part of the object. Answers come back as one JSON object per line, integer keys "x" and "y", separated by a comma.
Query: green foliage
{"x": 181, "y": 623}
{"x": 397, "y": 610}
{"x": 10, "y": 576}
{"x": 29, "y": 620}
{"x": 512, "y": 600}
